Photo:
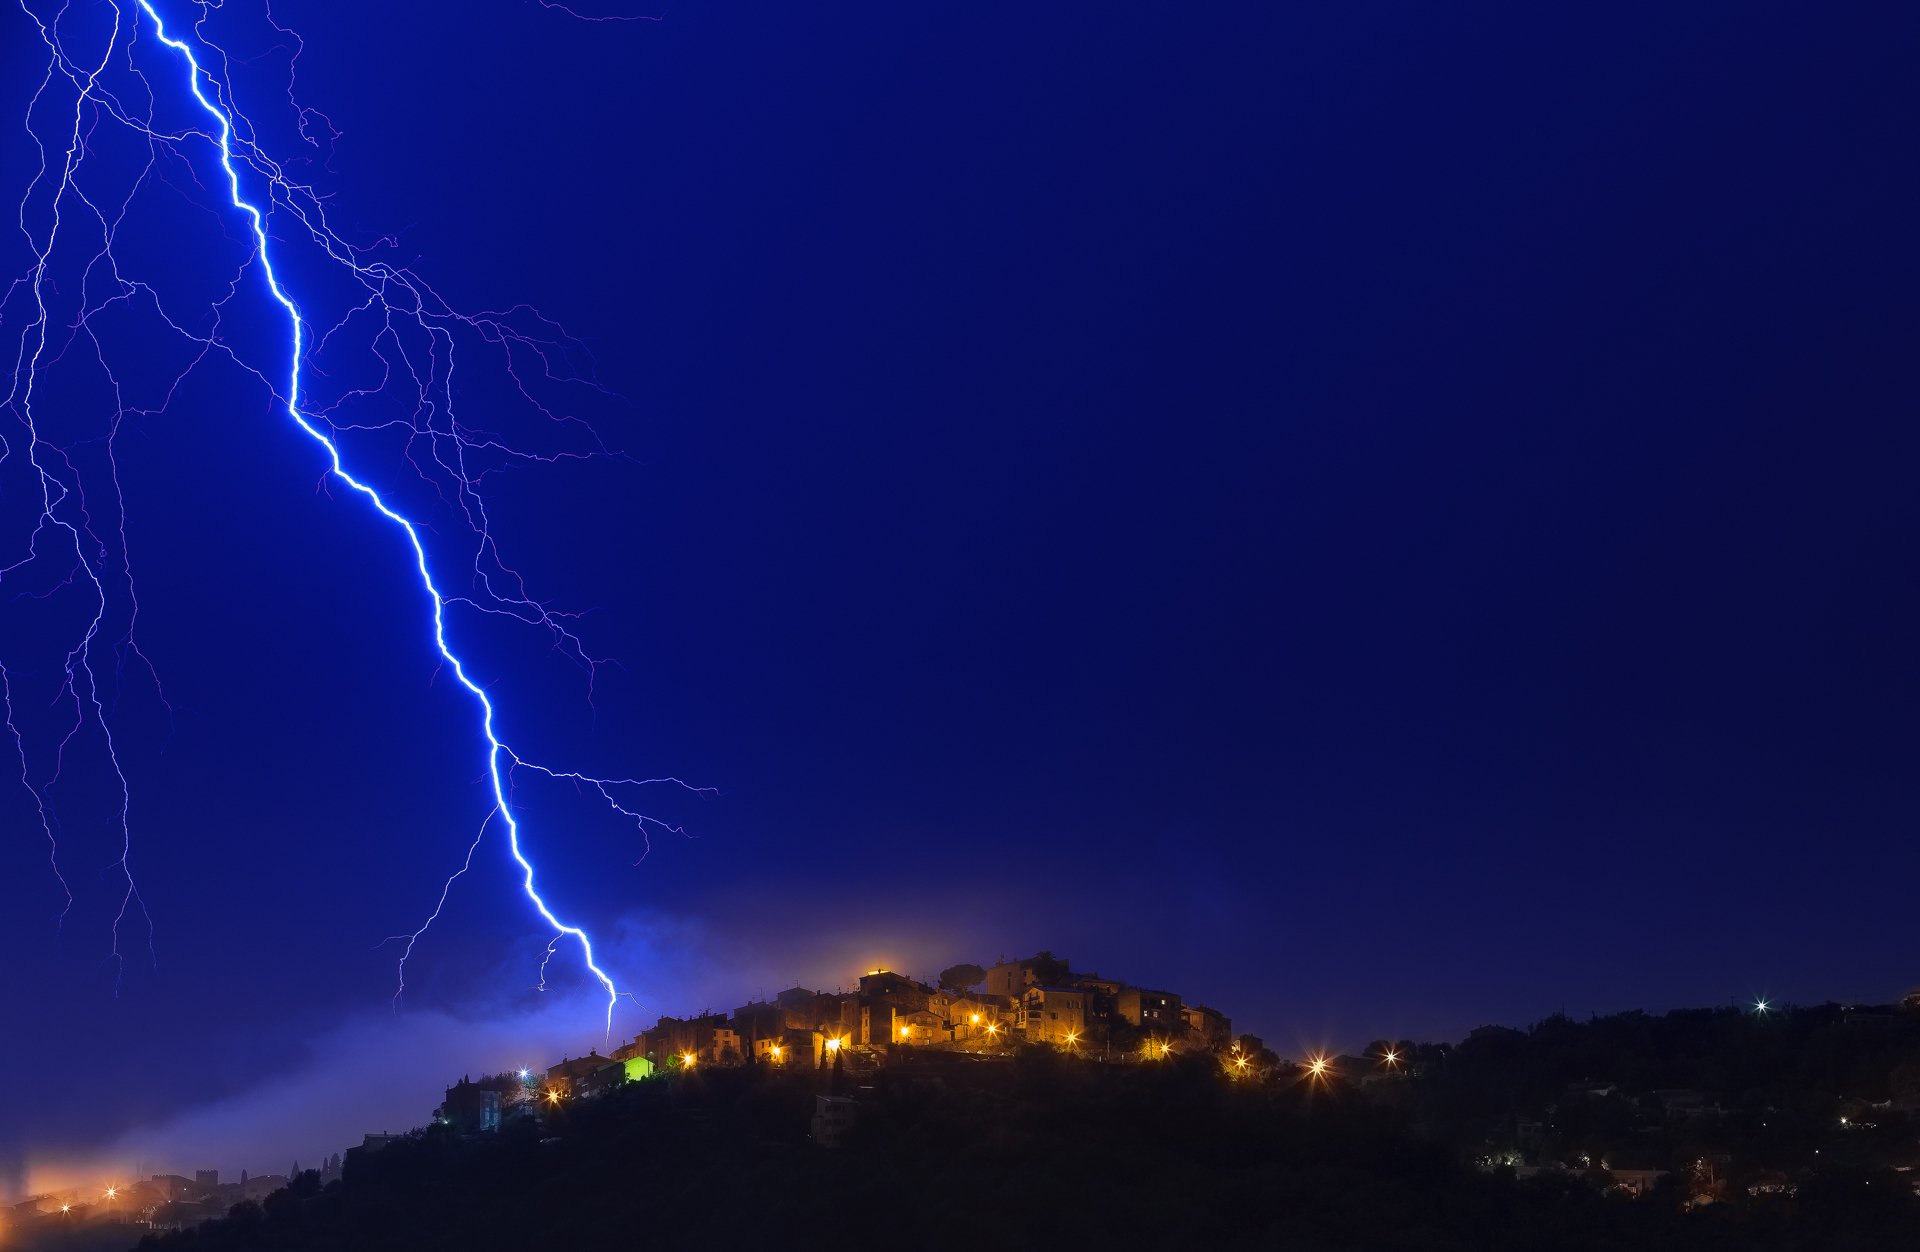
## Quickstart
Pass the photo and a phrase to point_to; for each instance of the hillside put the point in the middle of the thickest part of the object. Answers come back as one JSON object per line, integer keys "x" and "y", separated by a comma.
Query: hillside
{"x": 1038, "y": 1150}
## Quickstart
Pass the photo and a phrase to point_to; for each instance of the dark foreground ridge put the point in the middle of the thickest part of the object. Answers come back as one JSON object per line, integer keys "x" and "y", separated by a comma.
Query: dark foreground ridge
{"x": 1710, "y": 1129}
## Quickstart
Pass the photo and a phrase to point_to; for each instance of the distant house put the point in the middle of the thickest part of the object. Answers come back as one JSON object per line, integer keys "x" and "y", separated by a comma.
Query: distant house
{"x": 471, "y": 1109}
{"x": 795, "y": 1049}
{"x": 757, "y": 1020}
{"x": 674, "y": 1037}
{"x": 1151, "y": 1010}
{"x": 588, "y": 1075}
{"x": 979, "y": 1016}
{"x": 895, "y": 989}
{"x": 917, "y": 1029}
{"x": 888, "y": 1001}
{"x": 875, "y": 1025}
{"x": 793, "y": 1009}
{"x": 1207, "y": 1028}
{"x": 725, "y": 1047}
{"x": 1012, "y": 978}
{"x": 1057, "y": 1015}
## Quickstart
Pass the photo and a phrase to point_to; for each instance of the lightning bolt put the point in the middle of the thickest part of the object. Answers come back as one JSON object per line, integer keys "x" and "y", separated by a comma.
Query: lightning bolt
{"x": 394, "y": 300}
{"x": 553, "y": 6}
{"x": 81, "y": 685}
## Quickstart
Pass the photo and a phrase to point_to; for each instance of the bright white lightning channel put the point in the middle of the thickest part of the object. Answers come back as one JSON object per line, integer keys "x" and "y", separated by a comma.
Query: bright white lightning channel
{"x": 496, "y": 749}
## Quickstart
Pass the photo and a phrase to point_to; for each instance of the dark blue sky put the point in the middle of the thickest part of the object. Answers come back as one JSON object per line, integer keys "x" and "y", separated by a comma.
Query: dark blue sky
{"x": 1379, "y": 519}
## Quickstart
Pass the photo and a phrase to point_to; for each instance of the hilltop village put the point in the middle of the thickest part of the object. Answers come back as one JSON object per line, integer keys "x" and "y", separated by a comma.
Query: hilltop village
{"x": 968, "y": 1009}
{"x": 889, "y": 1018}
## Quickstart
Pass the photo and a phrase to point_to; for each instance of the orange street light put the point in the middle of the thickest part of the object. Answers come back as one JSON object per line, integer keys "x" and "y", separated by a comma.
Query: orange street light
{"x": 775, "y": 1050}
{"x": 1317, "y": 1067}
{"x": 976, "y": 1019}
{"x": 553, "y": 1095}
{"x": 687, "y": 1059}
{"x": 833, "y": 1045}
{"x": 905, "y": 1031}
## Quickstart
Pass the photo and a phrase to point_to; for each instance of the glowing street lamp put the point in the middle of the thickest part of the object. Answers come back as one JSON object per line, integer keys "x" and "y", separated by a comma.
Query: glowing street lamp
{"x": 905, "y": 1031}
{"x": 525, "y": 1074}
{"x": 1073, "y": 1037}
{"x": 993, "y": 1028}
{"x": 975, "y": 1019}
{"x": 1317, "y": 1067}
{"x": 833, "y": 1045}
{"x": 775, "y": 1051}
{"x": 1390, "y": 1058}
{"x": 1760, "y": 1006}
{"x": 687, "y": 1059}
{"x": 553, "y": 1095}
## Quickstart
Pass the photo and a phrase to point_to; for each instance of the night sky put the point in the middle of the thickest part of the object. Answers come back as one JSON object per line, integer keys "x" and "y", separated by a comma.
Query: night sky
{"x": 1379, "y": 518}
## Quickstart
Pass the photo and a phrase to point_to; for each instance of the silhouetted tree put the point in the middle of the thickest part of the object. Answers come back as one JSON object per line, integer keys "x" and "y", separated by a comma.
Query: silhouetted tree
{"x": 1049, "y": 969}
{"x": 962, "y": 977}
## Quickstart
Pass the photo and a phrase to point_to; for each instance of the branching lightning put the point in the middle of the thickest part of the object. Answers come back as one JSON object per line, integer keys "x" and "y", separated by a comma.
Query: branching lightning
{"x": 554, "y": 6}
{"x": 405, "y": 333}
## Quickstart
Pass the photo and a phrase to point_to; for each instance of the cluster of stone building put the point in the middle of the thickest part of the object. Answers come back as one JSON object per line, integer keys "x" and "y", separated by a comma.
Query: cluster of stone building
{"x": 1035, "y": 1000}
